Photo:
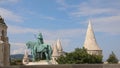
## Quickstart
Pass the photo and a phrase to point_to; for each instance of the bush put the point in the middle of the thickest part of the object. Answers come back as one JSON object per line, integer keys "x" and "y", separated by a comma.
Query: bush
{"x": 79, "y": 56}
{"x": 112, "y": 59}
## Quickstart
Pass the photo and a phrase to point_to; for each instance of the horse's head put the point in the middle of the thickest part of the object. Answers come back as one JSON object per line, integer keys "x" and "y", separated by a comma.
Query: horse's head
{"x": 28, "y": 44}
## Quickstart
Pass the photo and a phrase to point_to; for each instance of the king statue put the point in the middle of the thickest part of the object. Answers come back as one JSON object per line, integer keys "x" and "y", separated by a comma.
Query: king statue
{"x": 39, "y": 50}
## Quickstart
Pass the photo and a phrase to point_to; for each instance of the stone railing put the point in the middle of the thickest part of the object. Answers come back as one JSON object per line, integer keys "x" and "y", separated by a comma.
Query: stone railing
{"x": 68, "y": 66}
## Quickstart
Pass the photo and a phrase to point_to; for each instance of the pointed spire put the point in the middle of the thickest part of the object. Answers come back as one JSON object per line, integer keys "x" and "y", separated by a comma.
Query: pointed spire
{"x": 25, "y": 58}
{"x": 59, "y": 46}
{"x": 90, "y": 41}
{"x": 26, "y": 54}
{"x": 0, "y": 17}
{"x": 55, "y": 51}
{"x": 90, "y": 24}
{"x": 2, "y": 20}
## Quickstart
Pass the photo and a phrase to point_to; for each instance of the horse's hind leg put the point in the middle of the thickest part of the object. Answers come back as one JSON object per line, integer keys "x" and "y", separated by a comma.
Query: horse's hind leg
{"x": 46, "y": 56}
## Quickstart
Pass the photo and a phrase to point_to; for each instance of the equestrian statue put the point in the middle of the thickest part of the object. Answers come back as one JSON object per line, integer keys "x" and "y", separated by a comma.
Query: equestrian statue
{"x": 39, "y": 50}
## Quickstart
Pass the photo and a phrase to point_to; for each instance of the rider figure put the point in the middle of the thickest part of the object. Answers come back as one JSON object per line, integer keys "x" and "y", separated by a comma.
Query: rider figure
{"x": 40, "y": 42}
{"x": 40, "y": 39}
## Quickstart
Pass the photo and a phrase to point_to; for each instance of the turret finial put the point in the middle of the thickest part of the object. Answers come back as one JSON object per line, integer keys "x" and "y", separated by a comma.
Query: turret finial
{"x": 0, "y": 17}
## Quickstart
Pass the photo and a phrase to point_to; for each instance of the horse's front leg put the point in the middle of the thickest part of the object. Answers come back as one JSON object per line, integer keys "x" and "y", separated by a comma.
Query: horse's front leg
{"x": 46, "y": 54}
{"x": 33, "y": 55}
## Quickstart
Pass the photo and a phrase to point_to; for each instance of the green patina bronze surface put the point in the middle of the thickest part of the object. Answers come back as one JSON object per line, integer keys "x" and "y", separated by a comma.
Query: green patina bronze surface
{"x": 39, "y": 49}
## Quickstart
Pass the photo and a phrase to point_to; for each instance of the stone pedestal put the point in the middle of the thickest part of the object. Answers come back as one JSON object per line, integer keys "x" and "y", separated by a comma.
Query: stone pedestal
{"x": 41, "y": 62}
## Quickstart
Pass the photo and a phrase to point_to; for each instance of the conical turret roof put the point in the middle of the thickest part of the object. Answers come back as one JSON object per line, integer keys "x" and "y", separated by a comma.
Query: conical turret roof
{"x": 55, "y": 51}
{"x": 59, "y": 46}
{"x": 90, "y": 40}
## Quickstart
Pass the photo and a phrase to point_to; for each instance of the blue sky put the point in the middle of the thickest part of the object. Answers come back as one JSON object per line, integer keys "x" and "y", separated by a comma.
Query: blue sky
{"x": 64, "y": 19}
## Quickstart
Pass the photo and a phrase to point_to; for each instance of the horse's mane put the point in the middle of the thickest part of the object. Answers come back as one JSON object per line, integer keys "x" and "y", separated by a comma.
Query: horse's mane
{"x": 31, "y": 44}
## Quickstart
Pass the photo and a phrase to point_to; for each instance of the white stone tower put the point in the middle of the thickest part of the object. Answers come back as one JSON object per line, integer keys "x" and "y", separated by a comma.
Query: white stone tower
{"x": 4, "y": 44}
{"x": 90, "y": 42}
{"x": 26, "y": 58}
{"x": 59, "y": 47}
{"x": 57, "y": 51}
{"x": 55, "y": 54}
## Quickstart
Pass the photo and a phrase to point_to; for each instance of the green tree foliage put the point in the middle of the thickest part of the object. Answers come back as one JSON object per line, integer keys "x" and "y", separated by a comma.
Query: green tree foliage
{"x": 112, "y": 58}
{"x": 16, "y": 62}
{"x": 79, "y": 56}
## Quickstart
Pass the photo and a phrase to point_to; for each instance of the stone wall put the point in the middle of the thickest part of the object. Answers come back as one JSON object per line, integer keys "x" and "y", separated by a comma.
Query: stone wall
{"x": 4, "y": 44}
{"x": 69, "y": 66}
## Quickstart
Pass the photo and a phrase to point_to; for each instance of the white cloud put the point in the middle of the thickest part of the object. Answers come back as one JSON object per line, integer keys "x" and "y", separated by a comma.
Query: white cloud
{"x": 13, "y": 0}
{"x": 9, "y": 1}
{"x": 64, "y": 6}
{"x": 89, "y": 11}
{"x": 62, "y": 3}
{"x": 9, "y": 15}
{"x": 38, "y": 15}
{"x": 64, "y": 32}
{"x": 105, "y": 14}
{"x": 95, "y": 8}
{"x": 21, "y": 30}
{"x": 108, "y": 25}
{"x": 47, "y": 17}
{"x": 18, "y": 44}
